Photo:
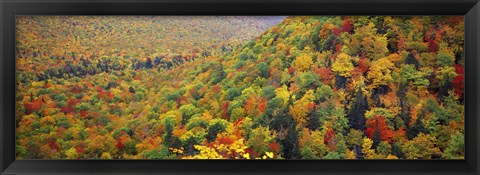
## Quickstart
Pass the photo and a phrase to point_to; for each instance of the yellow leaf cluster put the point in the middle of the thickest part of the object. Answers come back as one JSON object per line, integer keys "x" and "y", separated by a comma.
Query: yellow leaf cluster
{"x": 303, "y": 62}
{"x": 283, "y": 93}
{"x": 343, "y": 65}
{"x": 368, "y": 153}
{"x": 299, "y": 109}
{"x": 206, "y": 153}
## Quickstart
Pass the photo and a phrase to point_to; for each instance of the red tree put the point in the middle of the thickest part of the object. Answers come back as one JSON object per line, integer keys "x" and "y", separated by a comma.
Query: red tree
{"x": 347, "y": 26}
{"x": 225, "y": 109}
{"x": 330, "y": 138}
{"x": 459, "y": 80}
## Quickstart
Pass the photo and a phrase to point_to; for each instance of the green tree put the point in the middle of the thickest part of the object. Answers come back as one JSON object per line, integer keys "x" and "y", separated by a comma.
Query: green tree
{"x": 366, "y": 41}
{"x": 384, "y": 148}
{"x": 456, "y": 147}
{"x": 263, "y": 70}
{"x": 354, "y": 138}
{"x": 420, "y": 147}
{"x": 214, "y": 129}
{"x": 445, "y": 58}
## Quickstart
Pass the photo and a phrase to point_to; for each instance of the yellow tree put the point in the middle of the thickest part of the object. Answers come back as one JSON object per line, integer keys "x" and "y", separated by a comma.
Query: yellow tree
{"x": 312, "y": 144}
{"x": 303, "y": 62}
{"x": 343, "y": 65}
{"x": 301, "y": 107}
{"x": 283, "y": 93}
{"x": 368, "y": 152}
{"x": 380, "y": 72}
{"x": 366, "y": 41}
{"x": 421, "y": 147}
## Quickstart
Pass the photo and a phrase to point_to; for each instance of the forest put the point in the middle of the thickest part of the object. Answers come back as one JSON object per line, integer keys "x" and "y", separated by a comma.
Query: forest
{"x": 240, "y": 87}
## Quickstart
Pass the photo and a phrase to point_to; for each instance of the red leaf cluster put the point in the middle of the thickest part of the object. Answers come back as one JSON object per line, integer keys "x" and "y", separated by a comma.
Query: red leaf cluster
{"x": 432, "y": 46}
{"x": 54, "y": 145}
{"x": 80, "y": 149}
{"x": 459, "y": 80}
{"x": 325, "y": 74}
{"x": 225, "y": 109}
{"x": 120, "y": 145}
{"x": 224, "y": 140}
{"x": 262, "y": 106}
{"x": 330, "y": 138}
{"x": 274, "y": 146}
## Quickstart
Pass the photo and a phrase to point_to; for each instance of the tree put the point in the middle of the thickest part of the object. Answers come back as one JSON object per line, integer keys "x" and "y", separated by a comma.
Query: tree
{"x": 308, "y": 81}
{"x": 366, "y": 148}
{"x": 232, "y": 93}
{"x": 342, "y": 68}
{"x": 459, "y": 80}
{"x": 260, "y": 139}
{"x": 303, "y": 62}
{"x": 397, "y": 150}
{"x": 343, "y": 65}
{"x": 384, "y": 148}
{"x": 313, "y": 120}
{"x": 380, "y": 72}
{"x": 290, "y": 144}
{"x": 169, "y": 139}
{"x": 269, "y": 92}
{"x": 130, "y": 147}
{"x": 445, "y": 58}
{"x": 411, "y": 60}
{"x": 71, "y": 153}
{"x": 131, "y": 89}
{"x": 106, "y": 155}
{"x": 301, "y": 108}
{"x": 284, "y": 94}
{"x": 409, "y": 73}
{"x": 445, "y": 75}
{"x": 187, "y": 112}
{"x": 420, "y": 147}
{"x": 263, "y": 70}
{"x": 149, "y": 63}
{"x": 354, "y": 138}
{"x": 356, "y": 116}
{"x": 218, "y": 73}
{"x": 323, "y": 93}
{"x": 376, "y": 136}
{"x": 213, "y": 130}
{"x": 366, "y": 41}
{"x": 311, "y": 144}
{"x": 417, "y": 128}
{"x": 378, "y": 130}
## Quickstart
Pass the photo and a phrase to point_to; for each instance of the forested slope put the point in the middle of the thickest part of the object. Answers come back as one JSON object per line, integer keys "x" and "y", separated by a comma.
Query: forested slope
{"x": 306, "y": 88}
{"x": 80, "y": 45}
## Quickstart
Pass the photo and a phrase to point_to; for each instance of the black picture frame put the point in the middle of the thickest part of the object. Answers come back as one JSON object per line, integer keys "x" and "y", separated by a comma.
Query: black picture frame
{"x": 10, "y": 8}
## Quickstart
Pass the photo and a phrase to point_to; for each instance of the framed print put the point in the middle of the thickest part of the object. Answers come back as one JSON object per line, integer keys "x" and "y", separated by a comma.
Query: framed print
{"x": 267, "y": 87}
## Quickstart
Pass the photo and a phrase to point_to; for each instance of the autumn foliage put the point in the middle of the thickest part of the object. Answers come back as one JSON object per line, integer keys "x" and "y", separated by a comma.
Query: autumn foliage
{"x": 233, "y": 87}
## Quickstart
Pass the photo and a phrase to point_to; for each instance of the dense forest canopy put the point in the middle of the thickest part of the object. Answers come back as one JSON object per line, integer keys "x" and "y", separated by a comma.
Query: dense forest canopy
{"x": 301, "y": 87}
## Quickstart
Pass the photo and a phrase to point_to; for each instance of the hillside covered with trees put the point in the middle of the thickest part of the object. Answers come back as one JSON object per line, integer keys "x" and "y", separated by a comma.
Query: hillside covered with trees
{"x": 324, "y": 87}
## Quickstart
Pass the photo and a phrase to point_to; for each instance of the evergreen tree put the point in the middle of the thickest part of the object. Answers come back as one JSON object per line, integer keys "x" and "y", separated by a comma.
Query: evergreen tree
{"x": 411, "y": 60}
{"x": 356, "y": 117}
{"x": 290, "y": 144}
{"x": 397, "y": 151}
{"x": 417, "y": 128}
{"x": 376, "y": 135}
{"x": 313, "y": 121}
